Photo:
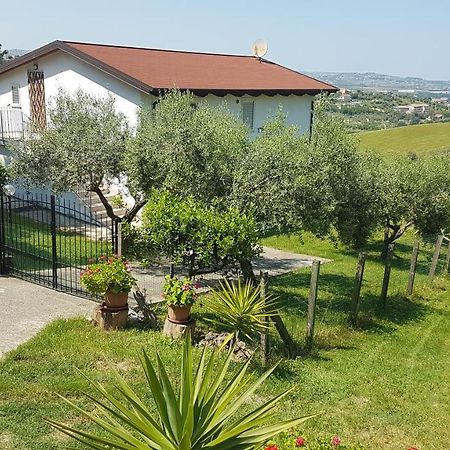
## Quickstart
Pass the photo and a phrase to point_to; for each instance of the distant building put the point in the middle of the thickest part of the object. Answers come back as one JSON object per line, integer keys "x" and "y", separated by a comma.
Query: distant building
{"x": 344, "y": 96}
{"x": 418, "y": 108}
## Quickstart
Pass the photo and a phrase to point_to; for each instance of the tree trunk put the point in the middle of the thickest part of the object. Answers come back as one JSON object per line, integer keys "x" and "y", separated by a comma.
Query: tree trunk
{"x": 247, "y": 271}
{"x": 391, "y": 234}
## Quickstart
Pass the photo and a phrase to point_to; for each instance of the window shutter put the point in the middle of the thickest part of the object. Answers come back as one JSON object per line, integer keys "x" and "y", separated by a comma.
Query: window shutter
{"x": 248, "y": 109}
{"x": 15, "y": 95}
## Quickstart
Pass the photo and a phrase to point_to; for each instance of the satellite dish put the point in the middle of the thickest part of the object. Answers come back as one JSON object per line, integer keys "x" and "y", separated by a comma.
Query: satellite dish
{"x": 259, "y": 48}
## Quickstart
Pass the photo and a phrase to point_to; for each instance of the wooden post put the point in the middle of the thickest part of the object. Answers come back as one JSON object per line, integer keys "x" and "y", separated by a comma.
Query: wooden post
{"x": 357, "y": 288}
{"x": 435, "y": 259}
{"x": 447, "y": 260}
{"x": 387, "y": 274}
{"x": 312, "y": 298}
{"x": 412, "y": 269}
{"x": 119, "y": 239}
{"x": 263, "y": 277}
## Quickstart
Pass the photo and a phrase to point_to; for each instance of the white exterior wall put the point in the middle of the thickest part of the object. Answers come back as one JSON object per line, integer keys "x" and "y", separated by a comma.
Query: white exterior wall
{"x": 70, "y": 73}
{"x": 297, "y": 108}
{"x": 64, "y": 71}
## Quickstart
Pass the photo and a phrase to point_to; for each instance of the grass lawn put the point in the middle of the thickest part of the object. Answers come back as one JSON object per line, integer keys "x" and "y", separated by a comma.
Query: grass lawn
{"x": 384, "y": 383}
{"x": 423, "y": 139}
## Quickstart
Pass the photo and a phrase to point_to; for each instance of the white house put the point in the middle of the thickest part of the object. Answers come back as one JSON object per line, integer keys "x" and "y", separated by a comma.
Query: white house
{"x": 252, "y": 88}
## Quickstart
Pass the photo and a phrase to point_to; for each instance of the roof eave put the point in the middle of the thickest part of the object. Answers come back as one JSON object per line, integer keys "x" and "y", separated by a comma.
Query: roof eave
{"x": 251, "y": 92}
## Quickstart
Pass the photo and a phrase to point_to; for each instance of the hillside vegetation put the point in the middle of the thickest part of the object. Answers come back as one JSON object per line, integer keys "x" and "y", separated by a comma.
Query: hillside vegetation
{"x": 419, "y": 139}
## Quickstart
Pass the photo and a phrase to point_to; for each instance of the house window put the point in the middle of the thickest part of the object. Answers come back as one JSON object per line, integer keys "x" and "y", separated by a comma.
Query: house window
{"x": 248, "y": 109}
{"x": 15, "y": 95}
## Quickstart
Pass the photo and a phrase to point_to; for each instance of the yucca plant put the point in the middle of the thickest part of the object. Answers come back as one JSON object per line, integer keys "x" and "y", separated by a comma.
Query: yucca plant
{"x": 241, "y": 309}
{"x": 198, "y": 417}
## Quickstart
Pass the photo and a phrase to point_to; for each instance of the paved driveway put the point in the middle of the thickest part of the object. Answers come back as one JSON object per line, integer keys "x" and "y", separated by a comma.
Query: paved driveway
{"x": 26, "y": 308}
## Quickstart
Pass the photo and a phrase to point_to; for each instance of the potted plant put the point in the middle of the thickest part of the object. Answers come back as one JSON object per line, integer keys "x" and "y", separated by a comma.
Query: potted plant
{"x": 111, "y": 277}
{"x": 179, "y": 296}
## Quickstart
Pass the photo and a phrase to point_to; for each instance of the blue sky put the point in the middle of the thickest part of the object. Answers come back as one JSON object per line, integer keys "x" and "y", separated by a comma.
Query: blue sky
{"x": 397, "y": 37}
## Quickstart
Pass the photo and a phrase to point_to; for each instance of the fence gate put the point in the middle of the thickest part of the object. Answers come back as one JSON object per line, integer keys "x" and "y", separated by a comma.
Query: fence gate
{"x": 48, "y": 240}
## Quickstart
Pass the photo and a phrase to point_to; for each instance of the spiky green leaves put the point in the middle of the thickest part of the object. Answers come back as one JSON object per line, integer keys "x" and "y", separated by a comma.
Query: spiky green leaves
{"x": 197, "y": 417}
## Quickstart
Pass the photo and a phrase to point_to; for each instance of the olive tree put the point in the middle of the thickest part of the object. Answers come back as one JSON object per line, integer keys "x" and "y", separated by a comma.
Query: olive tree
{"x": 186, "y": 148}
{"x": 415, "y": 193}
{"x": 84, "y": 144}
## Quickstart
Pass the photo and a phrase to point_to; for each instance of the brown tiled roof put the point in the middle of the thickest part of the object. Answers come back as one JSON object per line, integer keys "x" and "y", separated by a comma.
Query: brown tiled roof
{"x": 153, "y": 70}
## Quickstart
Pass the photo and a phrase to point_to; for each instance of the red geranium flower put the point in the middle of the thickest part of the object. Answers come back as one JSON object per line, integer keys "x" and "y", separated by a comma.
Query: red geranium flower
{"x": 300, "y": 442}
{"x": 271, "y": 447}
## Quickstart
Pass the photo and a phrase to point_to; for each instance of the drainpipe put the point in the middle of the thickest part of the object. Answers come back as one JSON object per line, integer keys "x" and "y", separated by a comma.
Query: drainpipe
{"x": 311, "y": 120}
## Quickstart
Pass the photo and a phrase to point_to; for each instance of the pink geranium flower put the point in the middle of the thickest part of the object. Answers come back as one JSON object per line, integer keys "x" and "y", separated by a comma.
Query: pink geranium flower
{"x": 300, "y": 442}
{"x": 336, "y": 441}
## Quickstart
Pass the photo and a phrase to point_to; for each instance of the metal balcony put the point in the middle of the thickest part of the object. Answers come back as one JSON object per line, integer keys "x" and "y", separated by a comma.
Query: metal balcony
{"x": 14, "y": 124}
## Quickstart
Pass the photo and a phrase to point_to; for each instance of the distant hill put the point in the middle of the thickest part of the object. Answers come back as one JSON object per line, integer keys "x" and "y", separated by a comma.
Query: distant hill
{"x": 16, "y": 52}
{"x": 422, "y": 140}
{"x": 377, "y": 81}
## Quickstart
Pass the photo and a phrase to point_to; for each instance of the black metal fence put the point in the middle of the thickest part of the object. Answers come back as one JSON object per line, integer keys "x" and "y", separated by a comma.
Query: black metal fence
{"x": 47, "y": 240}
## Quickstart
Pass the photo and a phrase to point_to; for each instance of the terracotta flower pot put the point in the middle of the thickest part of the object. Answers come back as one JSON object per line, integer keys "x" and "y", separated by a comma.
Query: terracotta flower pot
{"x": 113, "y": 300}
{"x": 179, "y": 314}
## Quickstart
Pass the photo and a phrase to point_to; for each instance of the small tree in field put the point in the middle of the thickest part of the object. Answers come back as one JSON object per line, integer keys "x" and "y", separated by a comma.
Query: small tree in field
{"x": 84, "y": 144}
{"x": 415, "y": 193}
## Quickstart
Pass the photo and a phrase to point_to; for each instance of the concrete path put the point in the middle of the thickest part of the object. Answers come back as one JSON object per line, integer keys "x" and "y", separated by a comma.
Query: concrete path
{"x": 277, "y": 262}
{"x": 26, "y": 308}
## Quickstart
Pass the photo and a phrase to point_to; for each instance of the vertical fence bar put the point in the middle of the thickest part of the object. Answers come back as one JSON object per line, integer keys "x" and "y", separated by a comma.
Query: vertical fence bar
{"x": 357, "y": 288}
{"x": 447, "y": 260}
{"x": 312, "y": 299}
{"x": 387, "y": 275}
{"x": 53, "y": 235}
{"x": 2, "y": 236}
{"x": 412, "y": 269}
{"x": 119, "y": 239}
{"x": 436, "y": 254}
{"x": 263, "y": 280}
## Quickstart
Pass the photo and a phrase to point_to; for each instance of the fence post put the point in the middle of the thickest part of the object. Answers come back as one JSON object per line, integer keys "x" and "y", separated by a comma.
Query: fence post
{"x": 312, "y": 298}
{"x": 447, "y": 259}
{"x": 412, "y": 270}
{"x": 387, "y": 275}
{"x": 263, "y": 277}
{"x": 2, "y": 236}
{"x": 119, "y": 239}
{"x": 357, "y": 288}
{"x": 54, "y": 248}
{"x": 436, "y": 254}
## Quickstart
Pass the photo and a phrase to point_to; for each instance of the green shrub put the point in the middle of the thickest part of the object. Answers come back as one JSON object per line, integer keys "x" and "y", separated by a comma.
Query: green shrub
{"x": 202, "y": 238}
{"x": 199, "y": 416}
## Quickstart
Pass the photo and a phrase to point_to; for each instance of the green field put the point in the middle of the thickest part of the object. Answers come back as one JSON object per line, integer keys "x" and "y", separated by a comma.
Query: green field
{"x": 384, "y": 383}
{"x": 419, "y": 139}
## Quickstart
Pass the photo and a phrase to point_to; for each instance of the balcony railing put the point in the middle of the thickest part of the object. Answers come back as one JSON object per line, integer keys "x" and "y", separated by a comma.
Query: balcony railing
{"x": 14, "y": 124}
